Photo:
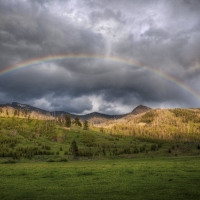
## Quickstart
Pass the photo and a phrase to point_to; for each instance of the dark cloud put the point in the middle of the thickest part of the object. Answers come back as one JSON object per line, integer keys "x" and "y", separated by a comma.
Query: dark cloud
{"x": 161, "y": 35}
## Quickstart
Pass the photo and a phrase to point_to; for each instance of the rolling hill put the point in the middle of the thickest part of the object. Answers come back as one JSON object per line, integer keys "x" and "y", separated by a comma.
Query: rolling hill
{"x": 173, "y": 124}
{"x": 143, "y": 132}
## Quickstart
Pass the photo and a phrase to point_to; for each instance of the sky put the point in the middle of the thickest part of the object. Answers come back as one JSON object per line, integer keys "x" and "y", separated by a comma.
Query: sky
{"x": 161, "y": 38}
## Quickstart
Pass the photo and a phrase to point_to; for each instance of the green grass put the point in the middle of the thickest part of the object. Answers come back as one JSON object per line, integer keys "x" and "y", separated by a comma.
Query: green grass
{"x": 163, "y": 178}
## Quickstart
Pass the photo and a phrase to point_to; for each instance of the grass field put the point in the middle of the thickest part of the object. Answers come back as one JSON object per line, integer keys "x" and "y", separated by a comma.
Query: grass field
{"x": 158, "y": 178}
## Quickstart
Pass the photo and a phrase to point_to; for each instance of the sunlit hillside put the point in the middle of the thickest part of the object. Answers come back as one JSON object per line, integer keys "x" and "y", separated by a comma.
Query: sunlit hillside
{"x": 23, "y": 113}
{"x": 176, "y": 124}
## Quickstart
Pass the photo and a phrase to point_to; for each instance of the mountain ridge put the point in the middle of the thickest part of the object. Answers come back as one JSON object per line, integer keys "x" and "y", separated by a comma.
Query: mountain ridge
{"x": 139, "y": 109}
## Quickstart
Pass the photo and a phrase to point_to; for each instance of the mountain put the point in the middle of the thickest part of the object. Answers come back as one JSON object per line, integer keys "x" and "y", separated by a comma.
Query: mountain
{"x": 62, "y": 113}
{"x": 26, "y": 106}
{"x": 98, "y": 118}
{"x": 140, "y": 109}
{"x": 98, "y": 115}
{"x": 94, "y": 117}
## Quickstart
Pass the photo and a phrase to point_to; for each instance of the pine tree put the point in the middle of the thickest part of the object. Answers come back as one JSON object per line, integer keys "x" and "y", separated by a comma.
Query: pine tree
{"x": 18, "y": 111}
{"x": 59, "y": 119}
{"x": 85, "y": 125}
{"x": 74, "y": 149}
{"x": 104, "y": 152}
{"x": 26, "y": 112}
{"x": 77, "y": 121}
{"x": 68, "y": 120}
{"x": 15, "y": 112}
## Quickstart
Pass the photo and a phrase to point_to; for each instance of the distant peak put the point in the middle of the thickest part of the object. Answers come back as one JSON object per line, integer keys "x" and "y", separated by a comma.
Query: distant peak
{"x": 17, "y": 104}
{"x": 140, "y": 109}
{"x": 141, "y": 106}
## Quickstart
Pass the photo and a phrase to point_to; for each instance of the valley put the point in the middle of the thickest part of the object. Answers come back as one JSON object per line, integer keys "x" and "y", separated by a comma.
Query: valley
{"x": 145, "y": 154}
{"x": 32, "y": 135}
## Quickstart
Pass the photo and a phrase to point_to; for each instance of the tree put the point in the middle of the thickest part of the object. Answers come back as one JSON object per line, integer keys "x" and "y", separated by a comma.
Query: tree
{"x": 101, "y": 129}
{"x": 104, "y": 152}
{"x": 68, "y": 120}
{"x": 59, "y": 119}
{"x": 77, "y": 121}
{"x": 18, "y": 111}
{"x": 74, "y": 149}
{"x": 85, "y": 125}
{"x": 25, "y": 111}
{"x": 15, "y": 112}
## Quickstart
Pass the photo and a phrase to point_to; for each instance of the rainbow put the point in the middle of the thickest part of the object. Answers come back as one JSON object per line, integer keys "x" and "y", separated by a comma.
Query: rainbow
{"x": 60, "y": 57}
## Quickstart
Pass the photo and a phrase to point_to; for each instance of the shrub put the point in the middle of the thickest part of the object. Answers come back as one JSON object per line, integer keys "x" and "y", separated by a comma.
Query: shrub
{"x": 9, "y": 160}
{"x": 50, "y": 160}
{"x": 61, "y": 160}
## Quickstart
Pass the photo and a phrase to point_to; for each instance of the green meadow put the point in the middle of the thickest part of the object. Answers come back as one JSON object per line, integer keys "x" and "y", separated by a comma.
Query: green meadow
{"x": 163, "y": 178}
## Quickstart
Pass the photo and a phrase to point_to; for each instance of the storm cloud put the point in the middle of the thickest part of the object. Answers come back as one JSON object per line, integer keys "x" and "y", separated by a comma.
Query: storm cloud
{"x": 163, "y": 36}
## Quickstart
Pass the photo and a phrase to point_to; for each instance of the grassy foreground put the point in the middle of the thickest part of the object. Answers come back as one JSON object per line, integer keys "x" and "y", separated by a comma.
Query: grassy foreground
{"x": 158, "y": 178}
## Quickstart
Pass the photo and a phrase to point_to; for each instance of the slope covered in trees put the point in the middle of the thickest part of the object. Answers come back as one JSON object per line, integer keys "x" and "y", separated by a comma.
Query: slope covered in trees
{"x": 167, "y": 132}
{"x": 172, "y": 124}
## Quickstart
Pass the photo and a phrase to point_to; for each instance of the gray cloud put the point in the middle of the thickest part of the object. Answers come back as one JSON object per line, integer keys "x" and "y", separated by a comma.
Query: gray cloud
{"x": 163, "y": 35}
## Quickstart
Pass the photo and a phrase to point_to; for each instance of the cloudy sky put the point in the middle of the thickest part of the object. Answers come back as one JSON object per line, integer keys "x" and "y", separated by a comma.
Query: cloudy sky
{"x": 163, "y": 35}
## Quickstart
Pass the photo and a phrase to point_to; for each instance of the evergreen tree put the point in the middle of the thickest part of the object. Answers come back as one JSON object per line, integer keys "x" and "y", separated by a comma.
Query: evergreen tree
{"x": 18, "y": 111}
{"x": 15, "y": 112}
{"x": 59, "y": 119}
{"x": 68, "y": 120}
{"x": 104, "y": 152}
{"x": 74, "y": 149}
{"x": 26, "y": 112}
{"x": 77, "y": 121}
{"x": 85, "y": 125}
{"x": 101, "y": 129}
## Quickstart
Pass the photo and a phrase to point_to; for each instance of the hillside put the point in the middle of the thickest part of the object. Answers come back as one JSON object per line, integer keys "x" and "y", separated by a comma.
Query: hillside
{"x": 175, "y": 124}
{"x": 156, "y": 132}
{"x": 9, "y": 111}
